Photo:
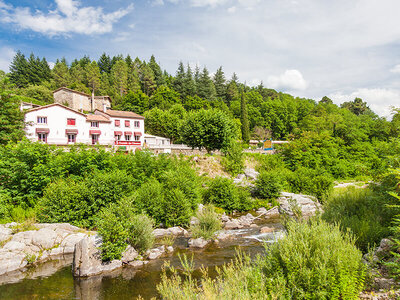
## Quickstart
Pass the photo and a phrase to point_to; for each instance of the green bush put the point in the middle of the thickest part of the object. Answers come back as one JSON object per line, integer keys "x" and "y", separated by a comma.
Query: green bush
{"x": 208, "y": 223}
{"x": 149, "y": 199}
{"x": 176, "y": 208}
{"x": 364, "y": 212}
{"x": 223, "y": 193}
{"x": 233, "y": 162}
{"x": 268, "y": 185}
{"x": 314, "y": 260}
{"x": 140, "y": 233}
{"x": 113, "y": 231}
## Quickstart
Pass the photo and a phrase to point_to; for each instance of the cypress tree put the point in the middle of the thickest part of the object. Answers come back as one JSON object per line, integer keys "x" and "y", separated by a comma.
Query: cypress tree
{"x": 244, "y": 118}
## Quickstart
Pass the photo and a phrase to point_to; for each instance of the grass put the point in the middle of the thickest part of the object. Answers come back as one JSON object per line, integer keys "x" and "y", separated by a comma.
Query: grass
{"x": 28, "y": 224}
{"x": 208, "y": 224}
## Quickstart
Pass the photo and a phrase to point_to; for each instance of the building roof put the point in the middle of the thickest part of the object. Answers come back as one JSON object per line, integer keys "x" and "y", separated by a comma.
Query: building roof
{"x": 97, "y": 118}
{"x": 146, "y": 135}
{"x": 72, "y": 91}
{"x": 121, "y": 114}
{"x": 54, "y": 104}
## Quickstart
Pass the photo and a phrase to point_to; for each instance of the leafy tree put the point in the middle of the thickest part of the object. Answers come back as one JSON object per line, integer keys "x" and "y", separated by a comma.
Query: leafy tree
{"x": 11, "y": 118}
{"x": 137, "y": 102}
{"x": 357, "y": 106}
{"x": 38, "y": 92}
{"x": 164, "y": 98}
{"x": 244, "y": 118}
{"x": 209, "y": 129}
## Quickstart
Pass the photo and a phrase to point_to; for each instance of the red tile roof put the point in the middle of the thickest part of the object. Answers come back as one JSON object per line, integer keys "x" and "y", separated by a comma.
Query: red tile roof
{"x": 55, "y": 104}
{"x": 121, "y": 114}
{"x": 98, "y": 118}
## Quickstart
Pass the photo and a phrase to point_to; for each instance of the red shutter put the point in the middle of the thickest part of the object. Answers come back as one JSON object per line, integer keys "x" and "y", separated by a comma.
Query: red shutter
{"x": 127, "y": 123}
{"x": 117, "y": 123}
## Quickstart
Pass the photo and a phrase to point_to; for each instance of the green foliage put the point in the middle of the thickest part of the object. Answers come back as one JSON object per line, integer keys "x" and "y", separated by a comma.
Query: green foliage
{"x": 313, "y": 261}
{"x": 268, "y": 185}
{"x": 208, "y": 223}
{"x": 244, "y": 118}
{"x": 140, "y": 232}
{"x": 223, "y": 193}
{"x": 176, "y": 207}
{"x": 26, "y": 225}
{"x": 233, "y": 161}
{"x": 364, "y": 212}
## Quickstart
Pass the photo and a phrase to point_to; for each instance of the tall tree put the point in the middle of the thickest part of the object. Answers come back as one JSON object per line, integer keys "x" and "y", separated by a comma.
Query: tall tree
{"x": 179, "y": 81}
{"x": 158, "y": 74}
{"x": 188, "y": 83}
{"x": 220, "y": 83}
{"x": 205, "y": 87}
{"x": 104, "y": 63}
{"x": 147, "y": 79}
{"x": 244, "y": 118}
{"x": 119, "y": 73}
{"x": 61, "y": 74}
{"x": 11, "y": 118}
{"x": 18, "y": 70}
{"x": 93, "y": 76}
{"x": 357, "y": 106}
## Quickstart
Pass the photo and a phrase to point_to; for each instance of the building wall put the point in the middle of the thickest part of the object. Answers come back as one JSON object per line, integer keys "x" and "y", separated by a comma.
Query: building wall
{"x": 72, "y": 100}
{"x": 57, "y": 124}
{"x": 129, "y": 146}
{"x": 99, "y": 103}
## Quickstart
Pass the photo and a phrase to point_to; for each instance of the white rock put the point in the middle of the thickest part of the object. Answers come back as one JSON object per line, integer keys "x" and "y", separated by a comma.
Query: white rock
{"x": 267, "y": 229}
{"x": 137, "y": 263}
{"x": 261, "y": 210}
{"x": 130, "y": 254}
{"x": 251, "y": 173}
{"x": 309, "y": 205}
{"x": 273, "y": 213}
{"x": 223, "y": 236}
{"x": 198, "y": 243}
{"x": 13, "y": 246}
{"x": 44, "y": 238}
{"x": 170, "y": 249}
{"x": 233, "y": 224}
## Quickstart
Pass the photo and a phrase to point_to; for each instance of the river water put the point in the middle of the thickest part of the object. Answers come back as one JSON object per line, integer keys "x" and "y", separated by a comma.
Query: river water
{"x": 54, "y": 279}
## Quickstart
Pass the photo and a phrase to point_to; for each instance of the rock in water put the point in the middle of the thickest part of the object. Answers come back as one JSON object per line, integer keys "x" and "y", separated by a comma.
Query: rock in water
{"x": 267, "y": 229}
{"x": 87, "y": 258}
{"x": 198, "y": 243}
{"x": 130, "y": 254}
{"x": 308, "y": 205}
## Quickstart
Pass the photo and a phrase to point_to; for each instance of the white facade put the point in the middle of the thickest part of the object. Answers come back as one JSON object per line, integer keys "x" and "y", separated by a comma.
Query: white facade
{"x": 60, "y": 125}
{"x": 153, "y": 140}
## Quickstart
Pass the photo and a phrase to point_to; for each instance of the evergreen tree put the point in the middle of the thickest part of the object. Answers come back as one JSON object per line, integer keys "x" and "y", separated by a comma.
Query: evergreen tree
{"x": 34, "y": 70}
{"x": 244, "y": 118}
{"x": 196, "y": 76}
{"x": 119, "y": 73}
{"x": 158, "y": 74}
{"x": 18, "y": 70}
{"x": 60, "y": 74}
{"x": 129, "y": 61}
{"x": 179, "y": 82}
{"x": 93, "y": 76}
{"x": 188, "y": 84}
{"x": 147, "y": 79}
{"x": 133, "y": 79}
{"x": 235, "y": 79}
{"x": 205, "y": 87}
{"x": 104, "y": 63}
{"x": 219, "y": 83}
{"x": 45, "y": 70}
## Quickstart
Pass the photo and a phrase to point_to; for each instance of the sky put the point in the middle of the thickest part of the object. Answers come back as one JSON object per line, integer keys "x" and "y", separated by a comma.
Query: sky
{"x": 308, "y": 48}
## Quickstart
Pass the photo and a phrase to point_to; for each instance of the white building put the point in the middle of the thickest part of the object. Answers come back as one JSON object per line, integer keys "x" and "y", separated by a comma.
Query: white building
{"x": 60, "y": 125}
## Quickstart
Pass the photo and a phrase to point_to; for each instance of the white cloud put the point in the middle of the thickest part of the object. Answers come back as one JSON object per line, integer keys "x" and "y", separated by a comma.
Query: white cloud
{"x": 379, "y": 100}
{"x": 121, "y": 37}
{"x": 6, "y": 56}
{"x": 232, "y": 9}
{"x": 289, "y": 80}
{"x": 69, "y": 17}
{"x": 51, "y": 64}
{"x": 203, "y": 3}
{"x": 396, "y": 69}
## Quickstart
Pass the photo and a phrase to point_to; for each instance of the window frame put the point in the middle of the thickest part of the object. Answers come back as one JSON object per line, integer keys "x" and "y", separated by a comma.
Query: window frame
{"x": 136, "y": 124}
{"x": 94, "y": 123}
{"x": 71, "y": 121}
{"x": 117, "y": 123}
{"x": 127, "y": 123}
{"x": 137, "y": 138}
{"x": 41, "y": 118}
{"x": 73, "y": 140}
{"x": 42, "y": 137}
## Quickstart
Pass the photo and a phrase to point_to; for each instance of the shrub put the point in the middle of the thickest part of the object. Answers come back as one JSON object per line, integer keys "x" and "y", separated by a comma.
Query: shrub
{"x": 363, "y": 211}
{"x": 150, "y": 198}
{"x": 176, "y": 208}
{"x": 313, "y": 261}
{"x": 113, "y": 232}
{"x": 233, "y": 162}
{"x": 208, "y": 223}
{"x": 223, "y": 193}
{"x": 140, "y": 233}
{"x": 268, "y": 185}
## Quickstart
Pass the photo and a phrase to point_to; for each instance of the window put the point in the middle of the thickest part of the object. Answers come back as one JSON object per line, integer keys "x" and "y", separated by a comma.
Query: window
{"x": 71, "y": 122}
{"x": 95, "y": 139}
{"x": 71, "y": 138}
{"x": 127, "y": 123}
{"x": 42, "y": 120}
{"x": 42, "y": 137}
{"x": 137, "y": 124}
{"x": 94, "y": 124}
{"x": 127, "y": 137}
{"x": 117, "y": 123}
{"x": 118, "y": 137}
{"x": 137, "y": 137}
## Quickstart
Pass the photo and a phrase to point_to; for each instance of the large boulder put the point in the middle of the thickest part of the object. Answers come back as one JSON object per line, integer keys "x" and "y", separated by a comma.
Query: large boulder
{"x": 87, "y": 258}
{"x": 198, "y": 243}
{"x": 308, "y": 205}
{"x": 233, "y": 224}
{"x": 45, "y": 238}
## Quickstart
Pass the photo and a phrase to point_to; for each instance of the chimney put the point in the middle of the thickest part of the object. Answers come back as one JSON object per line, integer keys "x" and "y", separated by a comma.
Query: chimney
{"x": 92, "y": 100}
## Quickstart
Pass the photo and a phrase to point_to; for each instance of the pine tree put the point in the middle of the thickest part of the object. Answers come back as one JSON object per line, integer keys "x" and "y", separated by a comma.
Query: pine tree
{"x": 219, "y": 82}
{"x": 189, "y": 84}
{"x": 93, "y": 76}
{"x": 133, "y": 79}
{"x": 104, "y": 63}
{"x": 179, "y": 81}
{"x": 244, "y": 118}
{"x": 158, "y": 74}
{"x": 18, "y": 70}
{"x": 34, "y": 70}
{"x": 45, "y": 70}
{"x": 205, "y": 86}
{"x": 129, "y": 61}
{"x": 147, "y": 79}
{"x": 119, "y": 73}
{"x": 60, "y": 74}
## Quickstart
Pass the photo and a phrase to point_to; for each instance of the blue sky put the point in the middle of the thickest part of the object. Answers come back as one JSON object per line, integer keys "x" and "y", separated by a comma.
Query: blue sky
{"x": 309, "y": 48}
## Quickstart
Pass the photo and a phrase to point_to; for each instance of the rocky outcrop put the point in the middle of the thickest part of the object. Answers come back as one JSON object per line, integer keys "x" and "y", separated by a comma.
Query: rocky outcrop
{"x": 267, "y": 229}
{"x": 24, "y": 248}
{"x": 251, "y": 173}
{"x": 87, "y": 258}
{"x": 308, "y": 205}
{"x": 160, "y": 232}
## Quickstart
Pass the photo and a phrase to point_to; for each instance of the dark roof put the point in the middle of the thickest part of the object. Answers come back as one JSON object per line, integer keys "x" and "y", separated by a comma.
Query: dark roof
{"x": 121, "y": 114}
{"x": 72, "y": 91}
{"x": 55, "y": 104}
